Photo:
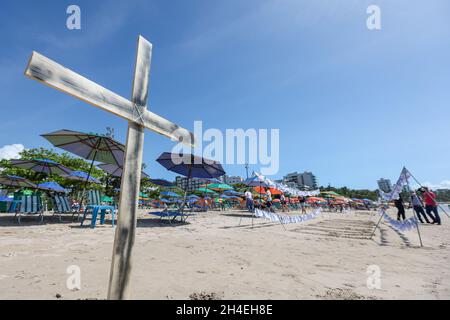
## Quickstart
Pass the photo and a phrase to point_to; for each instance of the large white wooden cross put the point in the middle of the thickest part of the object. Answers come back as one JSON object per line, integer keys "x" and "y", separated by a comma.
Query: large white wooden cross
{"x": 135, "y": 111}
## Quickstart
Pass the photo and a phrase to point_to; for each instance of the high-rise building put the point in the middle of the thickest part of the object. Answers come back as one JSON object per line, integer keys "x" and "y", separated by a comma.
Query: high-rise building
{"x": 385, "y": 185}
{"x": 190, "y": 184}
{"x": 301, "y": 180}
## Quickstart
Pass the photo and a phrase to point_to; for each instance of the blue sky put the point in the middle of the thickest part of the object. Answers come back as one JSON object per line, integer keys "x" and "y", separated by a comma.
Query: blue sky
{"x": 352, "y": 105}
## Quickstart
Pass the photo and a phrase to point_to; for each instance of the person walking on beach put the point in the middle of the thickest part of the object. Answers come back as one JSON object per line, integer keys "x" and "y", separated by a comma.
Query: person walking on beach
{"x": 431, "y": 205}
{"x": 284, "y": 206}
{"x": 418, "y": 208}
{"x": 302, "y": 201}
{"x": 400, "y": 207}
{"x": 269, "y": 200}
{"x": 249, "y": 200}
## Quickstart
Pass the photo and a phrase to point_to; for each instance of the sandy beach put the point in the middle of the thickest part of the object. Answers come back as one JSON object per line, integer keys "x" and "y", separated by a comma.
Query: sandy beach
{"x": 212, "y": 255}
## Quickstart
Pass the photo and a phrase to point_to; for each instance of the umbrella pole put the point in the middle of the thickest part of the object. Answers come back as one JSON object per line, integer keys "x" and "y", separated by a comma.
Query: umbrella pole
{"x": 414, "y": 213}
{"x": 86, "y": 183}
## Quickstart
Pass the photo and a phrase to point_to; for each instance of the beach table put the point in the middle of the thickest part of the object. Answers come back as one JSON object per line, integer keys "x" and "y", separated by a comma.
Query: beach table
{"x": 95, "y": 211}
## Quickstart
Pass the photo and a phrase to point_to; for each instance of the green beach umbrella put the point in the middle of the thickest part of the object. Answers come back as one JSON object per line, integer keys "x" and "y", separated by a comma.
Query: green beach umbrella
{"x": 205, "y": 190}
{"x": 220, "y": 186}
{"x": 107, "y": 199}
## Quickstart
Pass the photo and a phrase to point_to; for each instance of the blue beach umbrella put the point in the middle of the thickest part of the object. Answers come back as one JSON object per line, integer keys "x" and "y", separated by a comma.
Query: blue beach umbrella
{"x": 52, "y": 186}
{"x": 191, "y": 166}
{"x": 170, "y": 194}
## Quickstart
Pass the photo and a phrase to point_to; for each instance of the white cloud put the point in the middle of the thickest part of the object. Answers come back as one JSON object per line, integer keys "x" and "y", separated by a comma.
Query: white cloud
{"x": 11, "y": 151}
{"x": 443, "y": 185}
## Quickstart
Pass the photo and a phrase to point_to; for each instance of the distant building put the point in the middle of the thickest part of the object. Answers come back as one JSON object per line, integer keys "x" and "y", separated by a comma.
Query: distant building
{"x": 301, "y": 180}
{"x": 231, "y": 180}
{"x": 190, "y": 184}
{"x": 385, "y": 185}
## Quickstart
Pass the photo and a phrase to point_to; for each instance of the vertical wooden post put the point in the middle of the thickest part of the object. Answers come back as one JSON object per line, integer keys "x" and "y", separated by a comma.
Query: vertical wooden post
{"x": 121, "y": 265}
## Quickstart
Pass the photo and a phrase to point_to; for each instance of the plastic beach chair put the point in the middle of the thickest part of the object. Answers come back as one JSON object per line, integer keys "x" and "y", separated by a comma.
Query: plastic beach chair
{"x": 30, "y": 205}
{"x": 95, "y": 207}
{"x": 61, "y": 205}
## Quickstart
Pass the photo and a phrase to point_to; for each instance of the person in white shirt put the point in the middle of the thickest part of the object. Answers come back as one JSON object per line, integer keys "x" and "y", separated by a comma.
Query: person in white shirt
{"x": 269, "y": 200}
{"x": 249, "y": 200}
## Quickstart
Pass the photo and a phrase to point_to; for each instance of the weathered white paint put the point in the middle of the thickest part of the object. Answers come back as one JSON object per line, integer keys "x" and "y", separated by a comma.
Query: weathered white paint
{"x": 52, "y": 74}
{"x": 121, "y": 264}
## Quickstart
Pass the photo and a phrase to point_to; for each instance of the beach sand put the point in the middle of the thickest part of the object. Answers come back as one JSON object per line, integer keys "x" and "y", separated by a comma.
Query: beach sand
{"x": 212, "y": 255}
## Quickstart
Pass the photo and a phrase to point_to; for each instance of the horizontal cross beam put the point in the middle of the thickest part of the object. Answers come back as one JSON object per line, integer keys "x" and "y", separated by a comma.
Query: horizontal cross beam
{"x": 52, "y": 74}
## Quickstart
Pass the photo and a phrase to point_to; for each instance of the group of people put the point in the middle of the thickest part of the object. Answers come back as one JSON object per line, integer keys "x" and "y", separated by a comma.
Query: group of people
{"x": 424, "y": 204}
{"x": 267, "y": 203}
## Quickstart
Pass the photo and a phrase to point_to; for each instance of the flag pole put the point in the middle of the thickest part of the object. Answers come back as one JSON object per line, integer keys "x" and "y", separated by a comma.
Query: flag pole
{"x": 414, "y": 212}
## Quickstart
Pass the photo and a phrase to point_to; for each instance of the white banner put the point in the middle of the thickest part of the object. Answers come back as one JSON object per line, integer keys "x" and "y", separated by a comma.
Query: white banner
{"x": 401, "y": 226}
{"x": 287, "y": 219}
{"x": 398, "y": 187}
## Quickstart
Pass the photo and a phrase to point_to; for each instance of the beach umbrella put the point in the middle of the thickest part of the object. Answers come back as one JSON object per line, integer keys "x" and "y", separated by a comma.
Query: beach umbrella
{"x": 274, "y": 191}
{"x": 220, "y": 186}
{"x": 107, "y": 199}
{"x": 256, "y": 181}
{"x": 162, "y": 183}
{"x": 170, "y": 194}
{"x": 89, "y": 146}
{"x": 234, "y": 193}
{"x": 42, "y": 166}
{"x": 191, "y": 166}
{"x": 259, "y": 190}
{"x": 331, "y": 194}
{"x": 16, "y": 181}
{"x": 115, "y": 170}
{"x": 52, "y": 186}
{"x": 206, "y": 190}
{"x": 315, "y": 199}
{"x": 82, "y": 176}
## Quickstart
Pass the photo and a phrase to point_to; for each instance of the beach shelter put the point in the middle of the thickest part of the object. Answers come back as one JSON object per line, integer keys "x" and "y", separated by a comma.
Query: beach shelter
{"x": 52, "y": 186}
{"x": 82, "y": 176}
{"x": 191, "y": 166}
{"x": 42, "y": 166}
{"x": 315, "y": 200}
{"x": 162, "y": 183}
{"x": 89, "y": 146}
{"x": 107, "y": 199}
{"x": 170, "y": 194}
{"x": 115, "y": 170}
{"x": 256, "y": 181}
{"x": 206, "y": 190}
{"x": 259, "y": 190}
{"x": 16, "y": 182}
{"x": 274, "y": 191}
{"x": 330, "y": 194}
{"x": 220, "y": 187}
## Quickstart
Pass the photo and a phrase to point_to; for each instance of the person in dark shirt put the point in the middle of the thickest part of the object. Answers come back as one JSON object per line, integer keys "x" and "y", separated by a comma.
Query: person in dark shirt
{"x": 401, "y": 208}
